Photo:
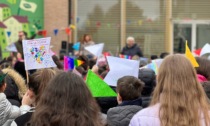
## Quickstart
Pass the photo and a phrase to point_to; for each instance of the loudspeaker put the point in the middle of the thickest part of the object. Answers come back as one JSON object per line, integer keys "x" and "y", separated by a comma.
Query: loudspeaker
{"x": 71, "y": 48}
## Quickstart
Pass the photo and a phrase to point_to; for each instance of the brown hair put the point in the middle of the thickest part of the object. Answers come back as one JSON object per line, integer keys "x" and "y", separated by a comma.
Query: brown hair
{"x": 39, "y": 80}
{"x": 66, "y": 101}
{"x": 181, "y": 97}
{"x": 204, "y": 67}
{"x": 129, "y": 88}
{"x": 57, "y": 62}
{"x": 84, "y": 36}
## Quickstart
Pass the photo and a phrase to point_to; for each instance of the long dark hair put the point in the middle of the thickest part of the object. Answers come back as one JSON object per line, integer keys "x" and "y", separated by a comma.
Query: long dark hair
{"x": 66, "y": 101}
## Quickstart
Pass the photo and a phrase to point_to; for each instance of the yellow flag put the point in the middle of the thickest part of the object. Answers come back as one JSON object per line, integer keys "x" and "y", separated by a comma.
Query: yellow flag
{"x": 72, "y": 26}
{"x": 190, "y": 56}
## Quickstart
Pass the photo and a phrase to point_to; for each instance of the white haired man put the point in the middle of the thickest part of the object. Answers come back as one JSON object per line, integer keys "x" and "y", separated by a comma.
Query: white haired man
{"x": 131, "y": 48}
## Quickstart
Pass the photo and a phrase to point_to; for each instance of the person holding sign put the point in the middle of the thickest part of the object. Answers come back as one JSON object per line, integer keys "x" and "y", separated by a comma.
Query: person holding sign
{"x": 131, "y": 48}
{"x": 22, "y": 36}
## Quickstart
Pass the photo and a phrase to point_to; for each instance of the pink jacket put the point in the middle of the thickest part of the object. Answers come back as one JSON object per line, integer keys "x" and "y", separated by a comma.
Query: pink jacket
{"x": 150, "y": 117}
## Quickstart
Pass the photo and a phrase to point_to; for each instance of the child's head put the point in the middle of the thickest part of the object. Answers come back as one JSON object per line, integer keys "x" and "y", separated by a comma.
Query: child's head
{"x": 85, "y": 59}
{"x": 57, "y": 62}
{"x": 39, "y": 80}
{"x": 204, "y": 67}
{"x": 163, "y": 55}
{"x": 66, "y": 101}
{"x": 129, "y": 88}
{"x": 153, "y": 57}
{"x": 206, "y": 87}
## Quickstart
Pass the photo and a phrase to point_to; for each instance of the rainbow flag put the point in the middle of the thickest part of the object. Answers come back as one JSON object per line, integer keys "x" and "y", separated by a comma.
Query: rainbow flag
{"x": 70, "y": 63}
{"x": 154, "y": 65}
{"x": 125, "y": 56}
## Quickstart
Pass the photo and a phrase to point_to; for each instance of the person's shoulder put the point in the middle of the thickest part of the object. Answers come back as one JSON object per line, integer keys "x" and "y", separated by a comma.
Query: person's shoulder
{"x": 152, "y": 111}
{"x": 123, "y": 110}
{"x": 2, "y": 96}
{"x": 136, "y": 46}
{"x": 23, "y": 119}
{"x": 148, "y": 116}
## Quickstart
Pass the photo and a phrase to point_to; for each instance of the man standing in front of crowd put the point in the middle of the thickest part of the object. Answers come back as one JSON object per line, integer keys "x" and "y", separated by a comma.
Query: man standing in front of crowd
{"x": 131, "y": 48}
{"x": 18, "y": 44}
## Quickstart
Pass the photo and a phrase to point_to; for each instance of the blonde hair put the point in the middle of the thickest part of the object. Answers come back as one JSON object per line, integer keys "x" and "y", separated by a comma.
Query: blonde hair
{"x": 181, "y": 97}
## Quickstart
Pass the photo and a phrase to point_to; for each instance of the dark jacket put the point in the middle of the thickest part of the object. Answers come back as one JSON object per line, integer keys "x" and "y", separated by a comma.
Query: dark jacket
{"x": 19, "y": 47}
{"x": 132, "y": 51}
{"x": 106, "y": 103}
{"x": 149, "y": 78}
{"x": 23, "y": 120}
{"x": 123, "y": 113}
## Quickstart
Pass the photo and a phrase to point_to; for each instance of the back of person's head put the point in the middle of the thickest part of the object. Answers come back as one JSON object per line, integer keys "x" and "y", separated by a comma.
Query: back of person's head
{"x": 20, "y": 68}
{"x": 135, "y": 57}
{"x": 85, "y": 59}
{"x": 57, "y": 62}
{"x": 149, "y": 78}
{"x": 66, "y": 101}
{"x": 179, "y": 93}
{"x": 39, "y": 80}
{"x": 206, "y": 87}
{"x": 204, "y": 67}
{"x": 163, "y": 55}
{"x": 5, "y": 65}
{"x": 129, "y": 88}
{"x": 92, "y": 62}
{"x": 103, "y": 74}
{"x": 81, "y": 70}
{"x": 153, "y": 57}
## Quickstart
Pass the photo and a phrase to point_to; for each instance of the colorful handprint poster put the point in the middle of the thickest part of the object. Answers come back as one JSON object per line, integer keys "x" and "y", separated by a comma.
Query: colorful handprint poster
{"x": 37, "y": 54}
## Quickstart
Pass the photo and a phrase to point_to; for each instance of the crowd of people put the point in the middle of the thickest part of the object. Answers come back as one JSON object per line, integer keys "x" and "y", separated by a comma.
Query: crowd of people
{"x": 177, "y": 96}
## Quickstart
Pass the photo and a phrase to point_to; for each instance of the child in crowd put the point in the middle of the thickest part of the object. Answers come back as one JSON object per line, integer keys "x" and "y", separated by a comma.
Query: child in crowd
{"x": 9, "y": 112}
{"x": 66, "y": 101}
{"x": 178, "y": 98}
{"x": 203, "y": 71}
{"x": 206, "y": 87}
{"x": 129, "y": 99}
{"x": 37, "y": 83}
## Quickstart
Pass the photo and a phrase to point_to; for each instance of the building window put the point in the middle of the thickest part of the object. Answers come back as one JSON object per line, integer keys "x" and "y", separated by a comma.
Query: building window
{"x": 2, "y": 33}
{"x": 100, "y": 19}
{"x": 3, "y": 41}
